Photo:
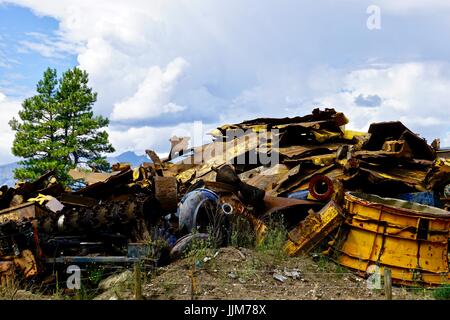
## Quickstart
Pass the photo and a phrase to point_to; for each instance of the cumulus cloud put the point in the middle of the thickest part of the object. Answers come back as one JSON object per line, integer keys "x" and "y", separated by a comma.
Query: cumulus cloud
{"x": 161, "y": 64}
{"x": 8, "y": 109}
{"x": 153, "y": 96}
{"x": 139, "y": 139}
{"x": 414, "y": 93}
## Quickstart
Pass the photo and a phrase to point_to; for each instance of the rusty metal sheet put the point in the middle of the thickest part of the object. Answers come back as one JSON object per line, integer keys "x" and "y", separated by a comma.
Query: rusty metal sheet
{"x": 443, "y": 153}
{"x": 323, "y": 135}
{"x": 77, "y": 200}
{"x": 158, "y": 164}
{"x": 296, "y": 177}
{"x": 90, "y": 177}
{"x": 438, "y": 175}
{"x": 154, "y": 157}
{"x": 275, "y": 204}
{"x": 352, "y": 134}
{"x": 292, "y": 153}
{"x": 393, "y": 206}
{"x": 319, "y": 119}
{"x": 120, "y": 166}
{"x": 106, "y": 188}
{"x": 172, "y": 170}
{"x": 54, "y": 189}
{"x": 395, "y": 130}
{"x": 218, "y": 153}
{"x": 178, "y": 146}
{"x": 413, "y": 178}
{"x": 336, "y": 174}
{"x": 7, "y": 274}
{"x": 27, "y": 263}
{"x": 311, "y": 231}
{"x": 21, "y": 212}
{"x": 26, "y": 188}
{"x": 6, "y": 195}
{"x": 319, "y": 160}
{"x": 244, "y": 176}
{"x": 418, "y": 146}
{"x": 166, "y": 192}
{"x": 219, "y": 187}
{"x": 382, "y": 131}
{"x": 267, "y": 179}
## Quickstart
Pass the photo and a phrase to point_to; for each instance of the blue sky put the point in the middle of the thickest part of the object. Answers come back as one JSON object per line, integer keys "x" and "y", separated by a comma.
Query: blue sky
{"x": 159, "y": 66}
{"x": 20, "y": 68}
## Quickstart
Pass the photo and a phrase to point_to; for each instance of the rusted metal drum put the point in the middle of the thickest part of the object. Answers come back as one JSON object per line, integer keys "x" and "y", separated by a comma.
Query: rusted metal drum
{"x": 409, "y": 238}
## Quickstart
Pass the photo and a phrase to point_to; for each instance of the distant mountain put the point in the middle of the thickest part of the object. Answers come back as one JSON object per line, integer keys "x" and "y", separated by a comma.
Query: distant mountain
{"x": 129, "y": 157}
{"x": 7, "y": 176}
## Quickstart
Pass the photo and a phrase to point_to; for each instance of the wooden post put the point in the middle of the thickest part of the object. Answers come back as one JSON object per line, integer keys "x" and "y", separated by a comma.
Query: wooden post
{"x": 193, "y": 283}
{"x": 137, "y": 281}
{"x": 388, "y": 283}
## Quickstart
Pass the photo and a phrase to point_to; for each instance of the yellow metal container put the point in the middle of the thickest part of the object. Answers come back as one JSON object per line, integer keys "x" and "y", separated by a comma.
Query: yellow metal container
{"x": 409, "y": 238}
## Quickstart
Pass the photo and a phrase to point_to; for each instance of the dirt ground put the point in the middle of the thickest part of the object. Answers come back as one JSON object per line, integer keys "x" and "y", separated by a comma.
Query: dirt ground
{"x": 231, "y": 273}
{"x": 238, "y": 273}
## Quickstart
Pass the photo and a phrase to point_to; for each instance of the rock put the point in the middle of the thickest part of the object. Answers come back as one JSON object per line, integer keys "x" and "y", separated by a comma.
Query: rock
{"x": 315, "y": 257}
{"x": 114, "y": 280}
{"x": 232, "y": 275}
{"x": 279, "y": 277}
{"x": 198, "y": 264}
{"x": 241, "y": 254}
{"x": 292, "y": 274}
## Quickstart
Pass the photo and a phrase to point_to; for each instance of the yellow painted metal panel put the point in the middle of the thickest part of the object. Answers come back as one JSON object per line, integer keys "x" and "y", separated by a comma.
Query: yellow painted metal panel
{"x": 390, "y": 251}
{"x": 313, "y": 229}
{"x": 353, "y": 263}
{"x": 399, "y": 275}
{"x": 359, "y": 244}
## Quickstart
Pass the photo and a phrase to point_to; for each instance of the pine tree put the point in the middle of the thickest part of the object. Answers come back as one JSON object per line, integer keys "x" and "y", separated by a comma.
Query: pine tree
{"x": 58, "y": 130}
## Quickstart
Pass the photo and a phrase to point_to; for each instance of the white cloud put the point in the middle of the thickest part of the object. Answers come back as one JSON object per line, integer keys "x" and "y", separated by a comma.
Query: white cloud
{"x": 244, "y": 65}
{"x": 49, "y": 46}
{"x": 414, "y": 93}
{"x": 154, "y": 94}
{"x": 138, "y": 139}
{"x": 446, "y": 141}
{"x": 8, "y": 109}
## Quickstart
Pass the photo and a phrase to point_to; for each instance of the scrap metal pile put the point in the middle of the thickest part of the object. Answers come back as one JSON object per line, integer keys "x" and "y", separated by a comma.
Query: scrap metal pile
{"x": 368, "y": 199}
